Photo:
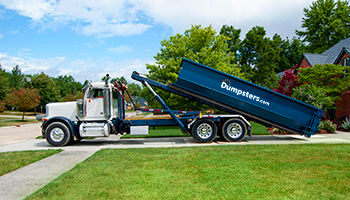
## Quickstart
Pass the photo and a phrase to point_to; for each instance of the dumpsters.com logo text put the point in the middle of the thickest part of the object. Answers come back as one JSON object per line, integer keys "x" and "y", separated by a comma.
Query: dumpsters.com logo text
{"x": 226, "y": 84}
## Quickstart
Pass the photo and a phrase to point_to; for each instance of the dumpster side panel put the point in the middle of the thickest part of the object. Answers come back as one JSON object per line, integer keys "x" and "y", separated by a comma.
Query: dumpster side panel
{"x": 248, "y": 97}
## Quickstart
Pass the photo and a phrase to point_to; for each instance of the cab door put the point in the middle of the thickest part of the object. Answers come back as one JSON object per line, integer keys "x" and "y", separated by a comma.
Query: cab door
{"x": 94, "y": 105}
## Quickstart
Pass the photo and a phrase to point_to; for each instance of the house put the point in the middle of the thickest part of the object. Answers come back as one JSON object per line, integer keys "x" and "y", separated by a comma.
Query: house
{"x": 337, "y": 54}
{"x": 139, "y": 101}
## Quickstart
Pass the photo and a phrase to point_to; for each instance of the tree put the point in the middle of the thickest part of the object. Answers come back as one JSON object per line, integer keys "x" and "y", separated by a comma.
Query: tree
{"x": 288, "y": 82}
{"x": 47, "y": 88}
{"x": 120, "y": 79}
{"x": 134, "y": 89}
{"x": 233, "y": 41}
{"x": 24, "y": 99}
{"x": 16, "y": 78}
{"x": 69, "y": 88}
{"x": 259, "y": 57}
{"x": 4, "y": 87}
{"x": 291, "y": 51}
{"x": 199, "y": 44}
{"x": 326, "y": 22}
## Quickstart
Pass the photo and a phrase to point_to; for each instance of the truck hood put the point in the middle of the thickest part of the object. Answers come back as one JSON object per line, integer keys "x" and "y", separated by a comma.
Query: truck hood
{"x": 62, "y": 109}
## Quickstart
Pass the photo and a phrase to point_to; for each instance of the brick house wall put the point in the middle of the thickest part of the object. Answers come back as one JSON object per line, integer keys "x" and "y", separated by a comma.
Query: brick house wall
{"x": 304, "y": 63}
{"x": 344, "y": 105}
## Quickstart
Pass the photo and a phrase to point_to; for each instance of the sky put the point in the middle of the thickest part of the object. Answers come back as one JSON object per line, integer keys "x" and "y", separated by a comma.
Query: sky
{"x": 88, "y": 39}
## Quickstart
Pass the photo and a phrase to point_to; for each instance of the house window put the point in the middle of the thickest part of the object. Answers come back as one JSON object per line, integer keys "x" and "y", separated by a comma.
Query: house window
{"x": 347, "y": 61}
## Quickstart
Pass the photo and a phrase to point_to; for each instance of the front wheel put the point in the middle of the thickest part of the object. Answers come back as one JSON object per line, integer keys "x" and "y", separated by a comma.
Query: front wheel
{"x": 234, "y": 130}
{"x": 204, "y": 131}
{"x": 57, "y": 134}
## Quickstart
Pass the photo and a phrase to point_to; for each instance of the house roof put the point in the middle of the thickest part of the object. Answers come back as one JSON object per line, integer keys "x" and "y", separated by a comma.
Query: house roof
{"x": 315, "y": 58}
{"x": 330, "y": 56}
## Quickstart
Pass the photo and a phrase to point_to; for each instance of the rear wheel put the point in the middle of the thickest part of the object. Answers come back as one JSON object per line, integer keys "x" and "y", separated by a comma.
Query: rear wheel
{"x": 57, "y": 134}
{"x": 204, "y": 131}
{"x": 234, "y": 130}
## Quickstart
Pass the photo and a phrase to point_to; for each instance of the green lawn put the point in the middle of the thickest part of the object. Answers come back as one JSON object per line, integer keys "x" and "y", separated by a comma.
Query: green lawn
{"x": 13, "y": 121}
{"x": 221, "y": 172}
{"x": 258, "y": 129}
{"x": 11, "y": 161}
{"x": 175, "y": 131}
{"x": 159, "y": 131}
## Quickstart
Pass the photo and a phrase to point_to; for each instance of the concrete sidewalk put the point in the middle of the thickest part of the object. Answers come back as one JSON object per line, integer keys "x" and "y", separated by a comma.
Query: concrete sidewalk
{"x": 26, "y": 180}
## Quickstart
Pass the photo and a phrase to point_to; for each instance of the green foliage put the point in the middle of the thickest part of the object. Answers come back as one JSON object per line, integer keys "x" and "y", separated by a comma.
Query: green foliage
{"x": 120, "y": 79}
{"x": 333, "y": 80}
{"x": 346, "y": 124}
{"x": 328, "y": 126}
{"x": 291, "y": 51}
{"x": 134, "y": 89}
{"x": 199, "y": 44}
{"x": 259, "y": 57}
{"x": 233, "y": 41}
{"x": 313, "y": 95}
{"x": 47, "y": 88}
{"x": 326, "y": 22}
{"x": 24, "y": 99}
{"x": 4, "y": 87}
{"x": 68, "y": 87}
{"x": 16, "y": 78}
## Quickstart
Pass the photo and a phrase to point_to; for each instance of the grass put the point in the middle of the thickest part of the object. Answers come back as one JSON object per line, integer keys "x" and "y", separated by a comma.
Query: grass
{"x": 19, "y": 113}
{"x": 13, "y": 121}
{"x": 159, "y": 131}
{"x": 258, "y": 129}
{"x": 174, "y": 131}
{"x": 224, "y": 172}
{"x": 15, "y": 160}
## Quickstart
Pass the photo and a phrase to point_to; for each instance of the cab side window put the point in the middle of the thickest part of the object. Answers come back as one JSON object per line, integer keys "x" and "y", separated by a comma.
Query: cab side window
{"x": 96, "y": 93}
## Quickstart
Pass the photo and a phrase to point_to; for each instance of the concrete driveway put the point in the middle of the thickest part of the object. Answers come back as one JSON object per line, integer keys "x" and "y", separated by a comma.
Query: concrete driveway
{"x": 14, "y": 134}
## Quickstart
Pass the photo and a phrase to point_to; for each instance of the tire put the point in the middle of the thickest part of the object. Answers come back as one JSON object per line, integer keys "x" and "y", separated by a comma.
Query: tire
{"x": 57, "y": 134}
{"x": 234, "y": 130}
{"x": 204, "y": 131}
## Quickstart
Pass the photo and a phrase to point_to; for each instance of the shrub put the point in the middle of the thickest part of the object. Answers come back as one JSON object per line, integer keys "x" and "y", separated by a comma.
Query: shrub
{"x": 279, "y": 131}
{"x": 346, "y": 124}
{"x": 328, "y": 126}
{"x": 313, "y": 95}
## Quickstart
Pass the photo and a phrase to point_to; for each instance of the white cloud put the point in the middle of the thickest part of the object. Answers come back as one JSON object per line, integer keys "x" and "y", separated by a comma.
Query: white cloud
{"x": 1, "y": 36}
{"x": 120, "y": 49}
{"x": 105, "y": 18}
{"x": 80, "y": 69}
{"x": 32, "y": 65}
{"x": 275, "y": 15}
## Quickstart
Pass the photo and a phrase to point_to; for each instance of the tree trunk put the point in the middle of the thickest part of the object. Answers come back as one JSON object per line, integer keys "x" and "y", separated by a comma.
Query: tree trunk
{"x": 23, "y": 116}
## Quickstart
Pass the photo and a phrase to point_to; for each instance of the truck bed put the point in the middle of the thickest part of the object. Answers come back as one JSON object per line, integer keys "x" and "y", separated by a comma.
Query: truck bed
{"x": 233, "y": 95}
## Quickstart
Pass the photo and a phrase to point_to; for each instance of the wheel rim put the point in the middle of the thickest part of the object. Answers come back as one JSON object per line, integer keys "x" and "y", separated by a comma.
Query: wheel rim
{"x": 57, "y": 134}
{"x": 204, "y": 131}
{"x": 234, "y": 130}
